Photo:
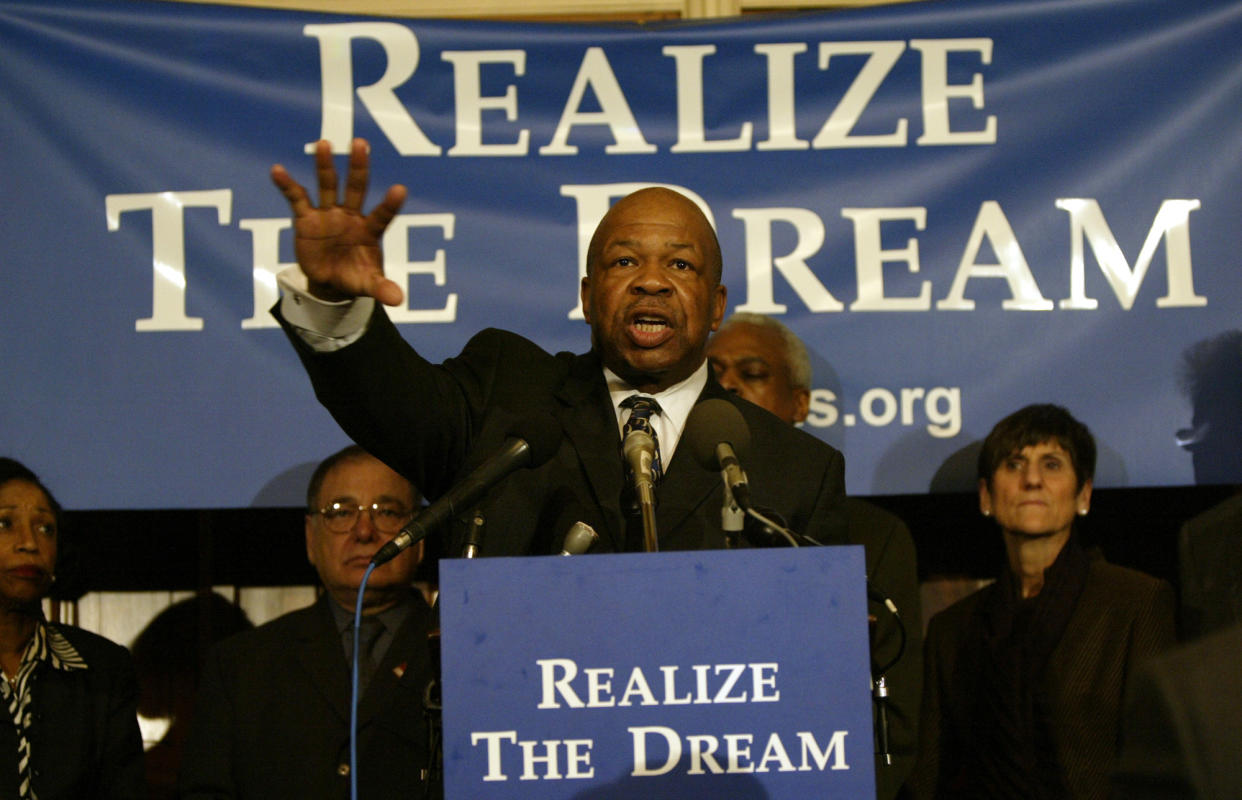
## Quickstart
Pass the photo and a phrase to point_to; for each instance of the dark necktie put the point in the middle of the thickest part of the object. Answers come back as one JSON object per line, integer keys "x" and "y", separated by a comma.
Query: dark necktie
{"x": 641, "y": 410}
{"x": 371, "y": 631}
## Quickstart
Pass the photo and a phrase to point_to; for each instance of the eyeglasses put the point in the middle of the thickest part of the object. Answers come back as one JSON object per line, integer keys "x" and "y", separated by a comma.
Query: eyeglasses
{"x": 386, "y": 517}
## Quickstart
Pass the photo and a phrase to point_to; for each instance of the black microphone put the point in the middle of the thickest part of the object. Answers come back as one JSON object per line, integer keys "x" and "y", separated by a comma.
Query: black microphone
{"x": 716, "y": 432}
{"x": 531, "y": 441}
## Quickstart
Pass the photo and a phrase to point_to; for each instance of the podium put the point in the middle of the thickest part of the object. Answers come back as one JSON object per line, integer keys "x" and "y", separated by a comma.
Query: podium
{"x": 726, "y": 673}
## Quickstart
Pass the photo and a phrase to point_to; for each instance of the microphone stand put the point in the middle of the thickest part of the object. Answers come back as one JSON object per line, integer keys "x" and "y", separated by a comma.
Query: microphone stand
{"x": 474, "y": 537}
{"x": 879, "y": 679}
{"x": 433, "y": 706}
{"x": 433, "y": 714}
{"x": 732, "y": 519}
{"x": 646, "y": 503}
{"x": 879, "y": 696}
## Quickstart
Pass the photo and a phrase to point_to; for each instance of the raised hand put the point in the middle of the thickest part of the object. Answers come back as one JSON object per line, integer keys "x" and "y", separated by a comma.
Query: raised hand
{"x": 336, "y": 246}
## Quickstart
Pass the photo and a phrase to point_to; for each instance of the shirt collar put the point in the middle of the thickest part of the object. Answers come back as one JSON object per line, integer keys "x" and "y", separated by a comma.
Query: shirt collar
{"x": 391, "y": 617}
{"x": 50, "y": 646}
{"x": 676, "y": 402}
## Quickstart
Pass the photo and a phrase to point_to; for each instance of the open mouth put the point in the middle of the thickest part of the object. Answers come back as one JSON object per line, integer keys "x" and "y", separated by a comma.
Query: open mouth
{"x": 649, "y": 330}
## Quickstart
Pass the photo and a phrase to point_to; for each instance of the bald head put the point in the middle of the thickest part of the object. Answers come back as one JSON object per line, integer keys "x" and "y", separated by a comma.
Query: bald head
{"x": 652, "y": 292}
{"x": 659, "y": 204}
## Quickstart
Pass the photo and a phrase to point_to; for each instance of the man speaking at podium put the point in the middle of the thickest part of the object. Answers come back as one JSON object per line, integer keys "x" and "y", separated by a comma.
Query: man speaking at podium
{"x": 652, "y": 296}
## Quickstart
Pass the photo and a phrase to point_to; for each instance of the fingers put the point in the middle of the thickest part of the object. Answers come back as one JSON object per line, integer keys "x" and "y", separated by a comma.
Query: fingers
{"x": 299, "y": 202}
{"x": 386, "y": 291}
{"x": 325, "y": 170}
{"x": 355, "y": 189}
{"x": 382, "y": 214}
{"x": 359, "y": 173}
{"x": 356, "y": 180}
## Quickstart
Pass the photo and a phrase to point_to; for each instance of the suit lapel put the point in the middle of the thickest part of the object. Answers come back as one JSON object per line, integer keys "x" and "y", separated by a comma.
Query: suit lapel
{"x": 591, "y": 427}
{"x": 397, "y": 686}
{"x": 686, "y": 485}
{"x": 320, "y": 654}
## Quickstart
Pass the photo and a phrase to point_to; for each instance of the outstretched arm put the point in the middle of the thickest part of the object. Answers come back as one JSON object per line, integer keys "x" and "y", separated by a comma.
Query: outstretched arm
{"x": 337, "y": 247}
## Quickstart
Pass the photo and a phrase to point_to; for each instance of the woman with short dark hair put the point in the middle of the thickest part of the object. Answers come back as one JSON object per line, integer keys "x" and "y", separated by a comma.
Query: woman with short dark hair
{"x": 1024, "y": 679}
{"x": 69, "y": 696}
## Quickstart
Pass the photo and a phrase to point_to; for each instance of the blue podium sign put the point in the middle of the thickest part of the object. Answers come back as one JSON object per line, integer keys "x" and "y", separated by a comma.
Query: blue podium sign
{"x": 739, "y": 674}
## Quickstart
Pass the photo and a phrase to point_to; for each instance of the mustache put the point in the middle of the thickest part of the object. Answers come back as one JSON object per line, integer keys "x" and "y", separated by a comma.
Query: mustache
{"x": 651, "y": 307}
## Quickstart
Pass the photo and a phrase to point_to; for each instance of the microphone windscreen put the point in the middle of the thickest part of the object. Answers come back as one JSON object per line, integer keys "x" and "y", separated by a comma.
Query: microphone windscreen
{"x": 711, "y": 422}
{"x": 581, "y": 538}
{"x": 636, "y": 441}
{"x": 542, "y": 434}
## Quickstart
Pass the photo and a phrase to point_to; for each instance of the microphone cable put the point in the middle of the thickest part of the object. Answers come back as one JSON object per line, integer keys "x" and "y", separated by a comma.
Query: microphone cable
{"x": 353, "y": 692}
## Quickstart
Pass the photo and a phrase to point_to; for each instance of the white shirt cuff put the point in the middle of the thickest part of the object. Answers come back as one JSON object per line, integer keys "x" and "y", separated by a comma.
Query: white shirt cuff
{"x": 323, "y": 325}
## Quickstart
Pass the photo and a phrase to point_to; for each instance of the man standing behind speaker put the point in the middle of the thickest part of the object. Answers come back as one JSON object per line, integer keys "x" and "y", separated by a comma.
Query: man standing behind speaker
{"x": 652, "y": 295}
{"x": 763, "y": 361}
{"x": 273, "y": 714}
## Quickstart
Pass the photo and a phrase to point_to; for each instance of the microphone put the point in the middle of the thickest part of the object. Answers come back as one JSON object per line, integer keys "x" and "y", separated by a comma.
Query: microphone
{"x": 530, "y": 442}
{"x": 639, "y": 451}
{"x": 715, "y": 432}
{"x": 474, "y": 537}
{"x": 581, "y": 538}
{"x": 734, "y": 475}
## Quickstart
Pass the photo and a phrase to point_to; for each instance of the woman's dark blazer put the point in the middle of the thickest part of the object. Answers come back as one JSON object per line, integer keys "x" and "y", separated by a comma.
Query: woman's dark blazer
{"x": 1122, "y": 618}
{"x": 84, "y": 738}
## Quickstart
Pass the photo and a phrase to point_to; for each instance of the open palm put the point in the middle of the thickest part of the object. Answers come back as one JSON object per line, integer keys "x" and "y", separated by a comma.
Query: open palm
{"x": 337, "y": 246}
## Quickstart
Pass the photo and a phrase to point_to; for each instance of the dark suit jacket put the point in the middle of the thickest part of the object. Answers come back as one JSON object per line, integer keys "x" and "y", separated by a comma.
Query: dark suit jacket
{"x": 1210, "y": 569}
{"x": 892, "y": 572}
{"x": 84, "y": 739}
{"x": 1122, "y": 618}
{"x": 1182, "y": 732}
{"x": 272, "y": 719}
{"x": 435, "y": 423}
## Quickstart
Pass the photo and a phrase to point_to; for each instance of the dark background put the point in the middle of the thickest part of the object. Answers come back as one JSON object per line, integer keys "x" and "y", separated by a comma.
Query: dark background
{"x": 196, "y": 549}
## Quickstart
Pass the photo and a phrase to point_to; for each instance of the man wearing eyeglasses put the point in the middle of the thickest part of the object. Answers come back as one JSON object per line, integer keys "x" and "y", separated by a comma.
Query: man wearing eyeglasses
{"x": 356, "y": 504}
{"x": 274, "y": 707}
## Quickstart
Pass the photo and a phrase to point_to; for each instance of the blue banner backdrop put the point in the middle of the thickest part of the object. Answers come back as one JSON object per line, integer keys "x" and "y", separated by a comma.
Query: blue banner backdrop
{"x": 962, "y": 207}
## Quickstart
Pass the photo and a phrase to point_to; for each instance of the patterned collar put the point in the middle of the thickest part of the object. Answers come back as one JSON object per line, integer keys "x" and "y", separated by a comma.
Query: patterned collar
{"x": 49, "y": 645}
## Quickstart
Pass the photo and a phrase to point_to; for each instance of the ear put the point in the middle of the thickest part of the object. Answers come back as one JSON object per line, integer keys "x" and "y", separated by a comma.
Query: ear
{"x": 802, "y": 404}
{"x": 985, "y": 498}
{"x": 1084, "y": 497}
{"x": 720, "y": 299}
{"x": 309, "y": 528}
{"x": 584, "y": 296}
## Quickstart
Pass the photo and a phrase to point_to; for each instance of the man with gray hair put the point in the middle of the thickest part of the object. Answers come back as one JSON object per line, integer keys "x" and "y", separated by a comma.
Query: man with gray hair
{"x": 761, "y": 360}
{"x": 274, "y": 716}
